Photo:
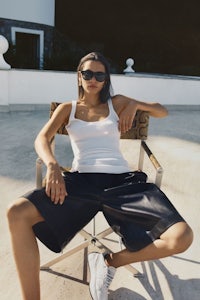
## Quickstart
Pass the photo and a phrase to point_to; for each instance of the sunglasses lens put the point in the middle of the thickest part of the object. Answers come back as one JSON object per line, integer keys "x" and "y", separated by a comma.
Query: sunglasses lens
{"x": 87, "y": 75}
{"x": 99, "y": 76}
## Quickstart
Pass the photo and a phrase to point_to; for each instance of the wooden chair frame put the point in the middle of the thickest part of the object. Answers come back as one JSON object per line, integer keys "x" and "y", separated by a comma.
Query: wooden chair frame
{"x": 139, "y": 130}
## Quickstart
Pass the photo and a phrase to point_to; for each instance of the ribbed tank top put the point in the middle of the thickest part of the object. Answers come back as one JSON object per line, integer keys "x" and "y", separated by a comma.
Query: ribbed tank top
{"x": 96, "y": 145}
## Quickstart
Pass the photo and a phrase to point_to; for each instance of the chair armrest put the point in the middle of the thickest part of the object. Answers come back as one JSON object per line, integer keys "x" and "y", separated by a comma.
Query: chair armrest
{"x": 39, "y": 163}
{"x": 154, "y": 161}
{"x": 40, "y": 179}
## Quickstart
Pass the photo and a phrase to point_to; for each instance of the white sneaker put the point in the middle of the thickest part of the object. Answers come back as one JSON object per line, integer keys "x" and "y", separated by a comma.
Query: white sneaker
{"x": 101, "y": 276}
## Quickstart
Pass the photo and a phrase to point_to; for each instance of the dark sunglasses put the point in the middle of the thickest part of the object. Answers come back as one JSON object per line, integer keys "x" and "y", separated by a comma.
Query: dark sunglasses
{"x": 99, "y": 76}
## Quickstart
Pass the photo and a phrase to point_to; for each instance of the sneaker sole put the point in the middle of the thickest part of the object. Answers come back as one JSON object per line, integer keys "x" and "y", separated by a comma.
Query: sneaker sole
{"x": 92, "y": 264}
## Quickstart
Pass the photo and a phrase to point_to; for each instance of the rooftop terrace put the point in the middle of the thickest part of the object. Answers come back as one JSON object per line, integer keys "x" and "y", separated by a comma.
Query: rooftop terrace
{"x": 176, "y": 142}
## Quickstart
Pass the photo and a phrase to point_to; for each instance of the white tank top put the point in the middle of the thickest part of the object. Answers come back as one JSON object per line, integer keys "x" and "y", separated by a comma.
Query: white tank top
{"x": 96, "y": 145}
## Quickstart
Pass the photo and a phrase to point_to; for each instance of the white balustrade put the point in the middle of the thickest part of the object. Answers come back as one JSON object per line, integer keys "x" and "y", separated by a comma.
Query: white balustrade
{"x": 3, "y": 49}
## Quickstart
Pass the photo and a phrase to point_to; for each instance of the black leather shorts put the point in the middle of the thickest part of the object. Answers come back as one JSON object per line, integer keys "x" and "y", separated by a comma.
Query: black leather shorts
{"x": 138, "y": 211}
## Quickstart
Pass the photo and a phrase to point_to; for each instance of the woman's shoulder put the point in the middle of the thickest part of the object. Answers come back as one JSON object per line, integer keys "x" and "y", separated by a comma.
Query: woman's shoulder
{"x": 119, "y": 102}
{"x": 66, "y": 106}
{"x": 63, "y": 109}
{"x": 120, "y": 99}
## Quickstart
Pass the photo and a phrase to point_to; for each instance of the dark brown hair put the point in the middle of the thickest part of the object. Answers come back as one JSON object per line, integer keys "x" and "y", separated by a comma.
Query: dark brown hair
{"x": 106, "y": 91}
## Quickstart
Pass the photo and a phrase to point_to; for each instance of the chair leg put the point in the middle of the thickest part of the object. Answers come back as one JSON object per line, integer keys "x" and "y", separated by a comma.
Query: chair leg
{"x": 88, "y": 240}
{"x": 70, "y": 252}
{"x": 130, "y": 268}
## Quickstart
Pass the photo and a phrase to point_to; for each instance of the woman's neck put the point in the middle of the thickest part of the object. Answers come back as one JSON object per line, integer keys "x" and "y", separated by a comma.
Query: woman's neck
{"x": 90, "y": 101}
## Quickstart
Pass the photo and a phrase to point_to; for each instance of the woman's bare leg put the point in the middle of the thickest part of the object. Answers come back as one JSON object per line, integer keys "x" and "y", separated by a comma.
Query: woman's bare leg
{"x": 21, "y": 216}
{"x": 174, "y": 240}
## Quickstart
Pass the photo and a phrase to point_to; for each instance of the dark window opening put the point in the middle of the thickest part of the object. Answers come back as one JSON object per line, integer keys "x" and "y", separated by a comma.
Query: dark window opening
{"x": 27, "y": 50}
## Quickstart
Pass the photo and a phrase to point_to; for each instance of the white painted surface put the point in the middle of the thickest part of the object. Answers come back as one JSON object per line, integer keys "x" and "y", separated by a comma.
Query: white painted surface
{"x": 42, "y": 87}
{"x": 37, "y": 11}
{"x": 172, "y": 90}
{"x": 3, "y": 49}
{"x": 4, "y": 81}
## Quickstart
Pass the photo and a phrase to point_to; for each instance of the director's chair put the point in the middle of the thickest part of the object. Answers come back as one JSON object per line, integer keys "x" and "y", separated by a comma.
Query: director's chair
{"x": 138, "y": 131}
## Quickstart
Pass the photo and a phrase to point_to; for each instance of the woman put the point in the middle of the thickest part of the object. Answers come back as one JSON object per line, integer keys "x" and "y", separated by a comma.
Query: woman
{"x": 100, "y": 179}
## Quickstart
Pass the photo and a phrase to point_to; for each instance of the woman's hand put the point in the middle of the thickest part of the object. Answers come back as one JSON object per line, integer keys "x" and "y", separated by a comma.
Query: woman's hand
{"x": 126, "y": 109}
{"x": 55, "y": 185}
{"x": 127, "y": 116}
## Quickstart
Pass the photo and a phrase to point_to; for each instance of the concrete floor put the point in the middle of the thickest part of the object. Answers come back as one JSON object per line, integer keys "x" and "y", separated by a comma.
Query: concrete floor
{"x": 176, "y": 142}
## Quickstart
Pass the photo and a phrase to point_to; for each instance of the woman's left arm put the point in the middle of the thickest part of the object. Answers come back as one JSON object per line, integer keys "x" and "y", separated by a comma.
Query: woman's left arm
{"x": 126, "y": 109}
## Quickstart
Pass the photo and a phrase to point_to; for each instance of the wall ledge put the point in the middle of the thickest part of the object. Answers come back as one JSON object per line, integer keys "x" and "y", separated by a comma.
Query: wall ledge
{"x": 184, "y": 107}
{"x": 46, "y": 107}
{"x": 24, "y": 107}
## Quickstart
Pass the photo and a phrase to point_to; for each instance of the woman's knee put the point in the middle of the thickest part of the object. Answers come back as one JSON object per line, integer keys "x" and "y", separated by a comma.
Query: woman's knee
{"x": 14, "y": 211}
{"x": 179, "y": 237}
{"x": 22, "y": 211}
{"x": 184, "y": 240}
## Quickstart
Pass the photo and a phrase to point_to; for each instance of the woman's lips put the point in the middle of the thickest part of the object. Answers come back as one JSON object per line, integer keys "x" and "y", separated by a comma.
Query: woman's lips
{"x": 92, "y": 86}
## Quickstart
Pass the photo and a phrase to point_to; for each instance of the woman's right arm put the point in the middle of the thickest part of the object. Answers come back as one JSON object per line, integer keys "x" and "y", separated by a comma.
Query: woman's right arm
{"x": 55, "y": 187}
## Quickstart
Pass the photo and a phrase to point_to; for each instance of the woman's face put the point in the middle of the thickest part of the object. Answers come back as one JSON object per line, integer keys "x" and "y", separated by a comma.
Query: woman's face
{"x": 90, "y": 84}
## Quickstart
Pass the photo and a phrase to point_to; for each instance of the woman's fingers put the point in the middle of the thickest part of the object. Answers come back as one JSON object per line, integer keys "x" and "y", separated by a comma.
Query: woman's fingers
{"x": 125, "y": 124}
{"x": 55, "y": 184}
{"x": 56, "y": 191}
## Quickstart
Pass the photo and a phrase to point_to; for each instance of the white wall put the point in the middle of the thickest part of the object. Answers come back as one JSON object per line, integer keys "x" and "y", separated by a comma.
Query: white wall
{"x": 37, "y": 11}
{"x": 42, "y": 87}
{"x": 176, "y": 90}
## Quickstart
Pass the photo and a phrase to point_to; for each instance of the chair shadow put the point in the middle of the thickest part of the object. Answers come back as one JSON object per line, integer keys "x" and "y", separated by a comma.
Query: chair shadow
{"x": 84, "y": 279}
{"x": 180, "y": 289}
{"x": 125, "y": 294}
